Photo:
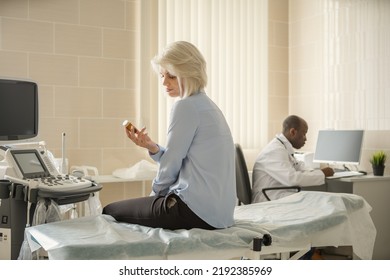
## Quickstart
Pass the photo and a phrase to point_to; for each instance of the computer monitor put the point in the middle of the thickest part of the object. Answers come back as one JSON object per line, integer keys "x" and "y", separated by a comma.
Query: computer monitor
{"x": 339, "y": 146}
{"x": 18, "y": 109}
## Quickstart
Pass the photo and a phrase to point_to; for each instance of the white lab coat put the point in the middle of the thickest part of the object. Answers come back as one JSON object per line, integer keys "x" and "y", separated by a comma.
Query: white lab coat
{"x": 276, "y": 167}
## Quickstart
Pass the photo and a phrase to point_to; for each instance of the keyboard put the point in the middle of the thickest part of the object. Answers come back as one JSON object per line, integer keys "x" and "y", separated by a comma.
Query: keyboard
{"x": 62, "y": 183}
{"x": 53, "y": 183}
{"x": 343, "y": 174}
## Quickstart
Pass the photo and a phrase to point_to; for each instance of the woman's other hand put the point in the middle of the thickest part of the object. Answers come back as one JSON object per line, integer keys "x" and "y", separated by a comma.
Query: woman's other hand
{"x": 142, "y": 139}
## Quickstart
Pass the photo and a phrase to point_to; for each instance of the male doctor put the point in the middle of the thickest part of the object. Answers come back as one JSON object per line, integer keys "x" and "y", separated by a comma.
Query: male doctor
{"x": 276, "y": 166}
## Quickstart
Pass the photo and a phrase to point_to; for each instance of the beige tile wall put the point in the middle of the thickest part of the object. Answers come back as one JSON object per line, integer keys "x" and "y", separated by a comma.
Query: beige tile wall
{"x": 82, "y": 54}
{"x": 278, "y": 82}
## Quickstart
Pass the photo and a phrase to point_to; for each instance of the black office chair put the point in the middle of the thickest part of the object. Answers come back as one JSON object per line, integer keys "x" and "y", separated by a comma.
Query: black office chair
{"x": 243, "y": 185}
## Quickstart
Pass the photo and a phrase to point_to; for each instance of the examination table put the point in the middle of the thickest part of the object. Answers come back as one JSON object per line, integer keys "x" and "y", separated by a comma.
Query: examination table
{"x": 295, "y": 223}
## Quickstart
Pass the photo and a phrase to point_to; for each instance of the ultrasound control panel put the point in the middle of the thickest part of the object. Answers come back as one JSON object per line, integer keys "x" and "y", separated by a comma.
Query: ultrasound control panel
{"x": 60, "y": 182}
{"x": 34, "y": 168}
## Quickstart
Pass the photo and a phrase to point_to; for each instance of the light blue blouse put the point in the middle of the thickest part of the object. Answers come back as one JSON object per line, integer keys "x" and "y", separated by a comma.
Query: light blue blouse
{"x": 197, "y": 163}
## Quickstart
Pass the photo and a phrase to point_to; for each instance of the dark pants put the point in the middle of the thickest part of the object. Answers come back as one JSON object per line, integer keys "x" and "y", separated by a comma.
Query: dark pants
{"x": 168, "y": 212}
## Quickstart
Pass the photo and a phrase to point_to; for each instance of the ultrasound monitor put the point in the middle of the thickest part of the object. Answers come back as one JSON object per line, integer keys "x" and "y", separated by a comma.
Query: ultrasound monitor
{"x": 18, "y": 109}
{"x": 30, "y": 163}
{"x": 339, "y": 146}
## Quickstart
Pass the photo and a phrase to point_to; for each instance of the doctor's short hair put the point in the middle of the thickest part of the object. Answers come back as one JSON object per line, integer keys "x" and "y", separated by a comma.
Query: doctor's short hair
{"x": 183, "y": 60}
{"x": 292, "y": 121}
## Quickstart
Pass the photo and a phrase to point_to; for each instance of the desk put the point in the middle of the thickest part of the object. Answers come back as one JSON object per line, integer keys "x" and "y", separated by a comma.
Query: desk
{"x": 101, "y": 179}
{"x": 376, "y": 191}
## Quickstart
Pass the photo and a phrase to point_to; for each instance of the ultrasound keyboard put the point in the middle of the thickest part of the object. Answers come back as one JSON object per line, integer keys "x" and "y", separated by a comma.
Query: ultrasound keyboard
{"x": 54, "y": 183}
{"x": 343, "y": 174}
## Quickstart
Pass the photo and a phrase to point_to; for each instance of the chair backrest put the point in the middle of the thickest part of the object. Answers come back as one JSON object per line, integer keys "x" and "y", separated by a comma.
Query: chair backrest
{"x": 243, "y": 185}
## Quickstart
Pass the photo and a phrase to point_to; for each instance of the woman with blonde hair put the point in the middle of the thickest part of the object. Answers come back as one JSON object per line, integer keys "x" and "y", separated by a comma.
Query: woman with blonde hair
{"x": 195, "y": 183}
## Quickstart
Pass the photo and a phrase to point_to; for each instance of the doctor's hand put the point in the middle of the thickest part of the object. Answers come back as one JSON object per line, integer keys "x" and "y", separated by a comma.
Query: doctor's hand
{"x": 327, "y": 171}
{"x": 142, "y": 139}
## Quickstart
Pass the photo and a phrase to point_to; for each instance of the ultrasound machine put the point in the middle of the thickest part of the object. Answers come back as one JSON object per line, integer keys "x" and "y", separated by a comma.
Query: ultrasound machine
{"x": 27, "y": 171}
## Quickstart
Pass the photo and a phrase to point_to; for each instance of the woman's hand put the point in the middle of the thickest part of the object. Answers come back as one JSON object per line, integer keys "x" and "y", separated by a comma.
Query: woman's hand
{"x": 142, "y": 139}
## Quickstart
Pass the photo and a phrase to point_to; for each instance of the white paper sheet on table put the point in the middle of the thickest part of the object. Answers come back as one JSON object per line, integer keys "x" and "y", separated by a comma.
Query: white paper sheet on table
{"x": 301, "y": 220}
{"x": 142, "y": 169}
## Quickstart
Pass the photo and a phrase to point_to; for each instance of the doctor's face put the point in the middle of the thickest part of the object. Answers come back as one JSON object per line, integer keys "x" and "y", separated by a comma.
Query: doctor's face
{"x": 170, "y": 83}
{"x": 299, "y": 136}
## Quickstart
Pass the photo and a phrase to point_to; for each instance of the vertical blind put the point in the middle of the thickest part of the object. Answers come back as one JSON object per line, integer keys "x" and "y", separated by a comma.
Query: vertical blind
{"x": 232, "y": 35}
{"x": 357, "y": 64}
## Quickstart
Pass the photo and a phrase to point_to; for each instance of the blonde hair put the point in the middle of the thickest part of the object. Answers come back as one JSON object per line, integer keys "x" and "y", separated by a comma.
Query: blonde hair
{"x": 183, "y": 60}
